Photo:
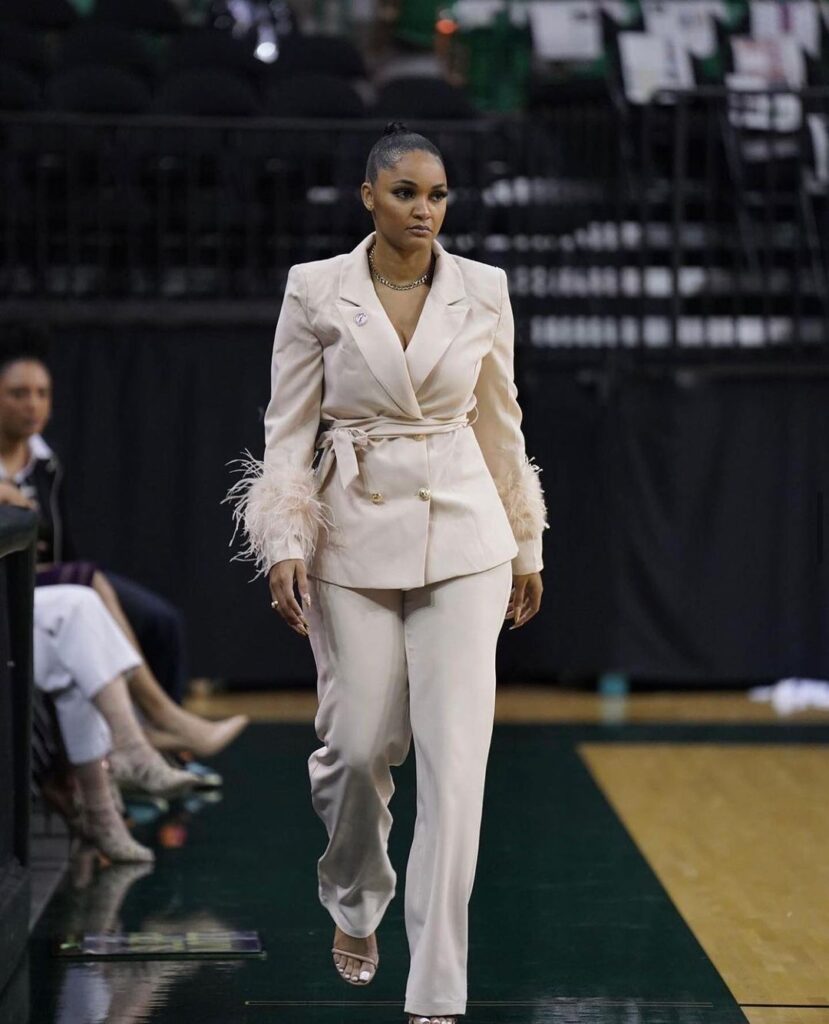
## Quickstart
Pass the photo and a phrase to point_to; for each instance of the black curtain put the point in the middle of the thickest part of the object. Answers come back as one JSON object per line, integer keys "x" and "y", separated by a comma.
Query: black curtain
{"x": 7, "y": 792}
{"x": 720, "y": 487}
{"x": 686, "y": 517}
{"x": 146, "y": 421}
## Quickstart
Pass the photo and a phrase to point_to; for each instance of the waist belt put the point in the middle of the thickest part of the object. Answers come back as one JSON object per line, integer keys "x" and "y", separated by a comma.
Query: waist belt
{"x": 343, "y": 437}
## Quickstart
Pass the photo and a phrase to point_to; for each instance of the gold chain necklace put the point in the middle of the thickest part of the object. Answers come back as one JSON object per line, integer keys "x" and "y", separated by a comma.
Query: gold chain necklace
{"x": 423, "y": 279}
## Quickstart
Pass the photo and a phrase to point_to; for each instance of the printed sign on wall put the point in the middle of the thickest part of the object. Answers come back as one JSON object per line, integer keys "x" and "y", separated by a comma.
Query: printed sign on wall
{"x": 689, "y": 21}
{"x": 797, "y": 18}
{"x": 568, "y": 30}
{"x": 650, "y": 63}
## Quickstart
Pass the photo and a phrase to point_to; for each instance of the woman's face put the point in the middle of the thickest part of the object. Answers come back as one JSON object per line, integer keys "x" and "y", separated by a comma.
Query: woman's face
{"x": 25, "y": 399}
{"x": 408, "y": 201}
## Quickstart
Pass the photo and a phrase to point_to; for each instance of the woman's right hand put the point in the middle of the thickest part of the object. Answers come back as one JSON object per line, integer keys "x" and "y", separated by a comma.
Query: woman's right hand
{"x": 12, "y": 495}
{"x": 281, "y": 577}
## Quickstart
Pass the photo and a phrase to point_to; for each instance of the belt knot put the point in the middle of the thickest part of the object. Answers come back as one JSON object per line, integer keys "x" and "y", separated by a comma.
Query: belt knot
{"x": 345, "y": 441}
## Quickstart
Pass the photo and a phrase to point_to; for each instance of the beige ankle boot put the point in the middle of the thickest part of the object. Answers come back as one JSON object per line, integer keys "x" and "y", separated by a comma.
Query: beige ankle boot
{"x": 106, "y": 831}
{"x": 139, "y": 768}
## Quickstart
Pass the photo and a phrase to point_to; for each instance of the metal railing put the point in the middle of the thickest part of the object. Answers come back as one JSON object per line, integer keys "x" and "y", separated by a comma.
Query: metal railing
{"x": 732, "y": 218}
{"x": 690, "y": 225}
{"x": 179, "y": 208}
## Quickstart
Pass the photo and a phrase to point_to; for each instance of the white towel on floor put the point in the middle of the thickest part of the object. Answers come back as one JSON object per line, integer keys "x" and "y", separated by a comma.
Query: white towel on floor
{"x": 790, "y": 695}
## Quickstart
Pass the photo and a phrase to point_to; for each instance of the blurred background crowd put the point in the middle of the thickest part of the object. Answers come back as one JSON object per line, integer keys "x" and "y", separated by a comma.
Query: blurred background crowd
{"x": 498, "y": 55}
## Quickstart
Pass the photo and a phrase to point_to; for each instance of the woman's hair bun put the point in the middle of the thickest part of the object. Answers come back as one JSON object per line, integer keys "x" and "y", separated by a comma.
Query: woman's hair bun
{"x": 395, "y": 128}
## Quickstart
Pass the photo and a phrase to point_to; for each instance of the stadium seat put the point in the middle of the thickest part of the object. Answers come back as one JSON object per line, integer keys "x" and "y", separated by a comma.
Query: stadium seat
{"x": 429, "y": 98}
{"x": 203, "y": 49}
{"x": 25, "y": 49}
{"x": 149, "y": 15}
{"x": 93, "y": 43}
{"x": 45, "y": 14}
{"x": 325, "y": 55}
{"x": 18, "y": 90}
{"x": 205, "y": 93}
{"x": 98, "y": 90}
{"x": 313, "y": 95}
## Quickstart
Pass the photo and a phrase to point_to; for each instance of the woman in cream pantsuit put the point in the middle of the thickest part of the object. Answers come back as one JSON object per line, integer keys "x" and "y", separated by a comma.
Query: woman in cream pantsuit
{"x": 411, "y": 534}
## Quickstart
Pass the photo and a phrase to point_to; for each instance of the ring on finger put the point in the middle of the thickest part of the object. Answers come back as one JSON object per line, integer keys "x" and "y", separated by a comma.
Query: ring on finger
{"x": 274, "y": 604}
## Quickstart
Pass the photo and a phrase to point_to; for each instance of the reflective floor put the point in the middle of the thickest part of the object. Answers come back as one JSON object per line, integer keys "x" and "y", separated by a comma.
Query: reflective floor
{"x": 591, "y": 901}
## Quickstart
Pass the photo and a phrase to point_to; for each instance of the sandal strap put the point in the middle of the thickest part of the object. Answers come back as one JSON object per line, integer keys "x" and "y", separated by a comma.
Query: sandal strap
{"x": 365, "y": 957}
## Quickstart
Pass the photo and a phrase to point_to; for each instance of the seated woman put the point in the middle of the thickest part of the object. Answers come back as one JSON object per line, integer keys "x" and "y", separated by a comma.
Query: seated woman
{"x": 30, "y": 477}
{"x": 83, "y": 660}
{"x": 29, "y": 466}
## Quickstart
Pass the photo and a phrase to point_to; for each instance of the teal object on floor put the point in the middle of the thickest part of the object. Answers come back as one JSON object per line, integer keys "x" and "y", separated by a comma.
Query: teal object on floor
{"x": 207, "y": 777}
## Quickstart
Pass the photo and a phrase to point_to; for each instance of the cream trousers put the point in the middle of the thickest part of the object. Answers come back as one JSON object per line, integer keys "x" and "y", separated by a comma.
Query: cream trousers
{"x": 393, "y": 665}
{"x": 78, "y": 649}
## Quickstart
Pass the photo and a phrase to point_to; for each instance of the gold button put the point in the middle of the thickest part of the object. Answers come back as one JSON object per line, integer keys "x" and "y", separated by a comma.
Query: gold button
{"x": 424, "y": 493}
{"x": 376, "y": 497}
{"x": 419, "y": 437}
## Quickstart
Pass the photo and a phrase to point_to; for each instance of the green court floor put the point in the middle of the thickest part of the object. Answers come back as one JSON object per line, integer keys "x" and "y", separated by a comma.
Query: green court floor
{"x": 568, "y": 922}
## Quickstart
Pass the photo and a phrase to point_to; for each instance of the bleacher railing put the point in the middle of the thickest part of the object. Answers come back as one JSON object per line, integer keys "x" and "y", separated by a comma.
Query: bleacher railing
{"x": 696, "y": 225}
{"x": 732, "y": 226}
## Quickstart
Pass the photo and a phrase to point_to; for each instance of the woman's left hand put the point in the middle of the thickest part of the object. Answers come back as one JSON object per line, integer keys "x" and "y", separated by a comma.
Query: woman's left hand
{"x": 525, "y": 599}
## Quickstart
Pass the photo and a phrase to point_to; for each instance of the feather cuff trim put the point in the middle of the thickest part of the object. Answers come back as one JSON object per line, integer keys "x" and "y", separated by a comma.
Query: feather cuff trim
{"x": 278, "y": 511}
{"x": 523, "y": 500}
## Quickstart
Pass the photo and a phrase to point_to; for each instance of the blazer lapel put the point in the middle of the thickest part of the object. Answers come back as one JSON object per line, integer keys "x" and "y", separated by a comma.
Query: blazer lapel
{"x": 372, "y": 330}
{"x": 402, "y": 373}
{"x": 441, "y": 318}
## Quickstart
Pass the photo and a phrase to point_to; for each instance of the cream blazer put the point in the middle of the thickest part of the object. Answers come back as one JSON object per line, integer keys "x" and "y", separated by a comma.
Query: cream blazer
{"x": 384, "y": 466}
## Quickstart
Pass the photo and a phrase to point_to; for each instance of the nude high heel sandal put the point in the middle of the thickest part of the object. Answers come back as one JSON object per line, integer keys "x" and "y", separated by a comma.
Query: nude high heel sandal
{"x": 364, "y": 958}
{"x": 203, "y": 737}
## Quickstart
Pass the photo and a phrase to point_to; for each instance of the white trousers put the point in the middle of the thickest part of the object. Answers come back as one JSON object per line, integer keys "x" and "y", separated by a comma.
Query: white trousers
{"x": 78, "y": 649}
{"x": 392, "y": 665}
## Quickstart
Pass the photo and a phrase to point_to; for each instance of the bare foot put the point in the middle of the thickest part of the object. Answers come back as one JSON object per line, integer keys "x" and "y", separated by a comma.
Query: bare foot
{"x": 353, "y": 968}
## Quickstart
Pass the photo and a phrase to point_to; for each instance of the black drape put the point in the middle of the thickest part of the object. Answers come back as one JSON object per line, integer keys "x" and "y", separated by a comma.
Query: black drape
{"x": 719, "y": 489}
{"x": 146, "y": 422}
{"x": 6, "y": 731}
{"x": 685, "y": 516}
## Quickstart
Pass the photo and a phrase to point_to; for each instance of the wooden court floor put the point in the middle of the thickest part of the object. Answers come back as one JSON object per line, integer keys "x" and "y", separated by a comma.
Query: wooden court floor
{"x": 655, "y": 860}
